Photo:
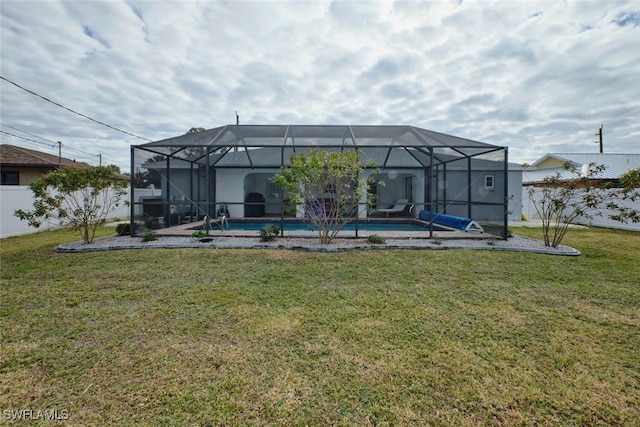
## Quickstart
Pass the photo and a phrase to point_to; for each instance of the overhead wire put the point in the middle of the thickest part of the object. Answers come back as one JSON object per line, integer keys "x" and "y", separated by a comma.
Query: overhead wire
{"x": 49, "y": 143}
{"x": 91, "y": 155}
{"x": 31, "y": 134}
{"x": 73, "y": 111}
{"x": 26, "y": 139}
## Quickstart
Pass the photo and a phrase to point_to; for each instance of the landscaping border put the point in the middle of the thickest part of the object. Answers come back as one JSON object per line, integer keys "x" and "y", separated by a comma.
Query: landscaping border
{"x": 513, "y": 244}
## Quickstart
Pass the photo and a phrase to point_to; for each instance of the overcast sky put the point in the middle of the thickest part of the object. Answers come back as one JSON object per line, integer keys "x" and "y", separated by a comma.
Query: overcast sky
{"x": 536, "y": 76}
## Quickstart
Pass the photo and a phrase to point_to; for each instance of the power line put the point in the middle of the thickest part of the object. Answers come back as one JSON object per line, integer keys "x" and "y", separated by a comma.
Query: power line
{"x": 24, "y": 131}
{"x": 42, "y": 143}
{"x": 79, "y": 151}
{"x": 68, "y": 148}
{"x": 91, "y": 156}
{"x": 26, "y": 139}
{"x": 53, "y": 143}
{"x": 72, "y": 111}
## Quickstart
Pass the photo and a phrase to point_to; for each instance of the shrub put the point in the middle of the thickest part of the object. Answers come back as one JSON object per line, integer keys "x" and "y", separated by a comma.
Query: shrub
{"x": 375, "y": 239}
{"x": 560, "y": 201}
{"x": 123, "y": 229}
{"x": 198, "y": 234}
{"x": 149, "y": 235}
{"x": 78, "y": 198}
{"x": 269, "y": 232}
{"x": 329, "y": 187}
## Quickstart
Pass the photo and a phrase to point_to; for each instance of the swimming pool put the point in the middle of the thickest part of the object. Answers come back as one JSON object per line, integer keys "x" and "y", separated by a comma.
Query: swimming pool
{"x": 289, "y": 225}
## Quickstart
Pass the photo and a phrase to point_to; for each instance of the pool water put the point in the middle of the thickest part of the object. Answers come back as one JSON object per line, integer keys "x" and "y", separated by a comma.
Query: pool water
{"x": 302, "y": 226}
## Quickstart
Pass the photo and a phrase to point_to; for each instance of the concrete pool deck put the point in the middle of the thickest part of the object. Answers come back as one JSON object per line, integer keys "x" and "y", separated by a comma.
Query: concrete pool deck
{"x": 189, "y": 228}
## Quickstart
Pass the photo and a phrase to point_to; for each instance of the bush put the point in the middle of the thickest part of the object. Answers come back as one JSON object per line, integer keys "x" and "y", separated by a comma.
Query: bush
{"x": 375, "y": 239}
{"x": 78, "y": 198}
{"x": 198, "y": 234}
{"x": 560, "y": 201}
{"x": 149, "y": 235}
{"x": 269, "y": 232}
{"x": 330, "y": 186}
{"x": 123, "y": 229}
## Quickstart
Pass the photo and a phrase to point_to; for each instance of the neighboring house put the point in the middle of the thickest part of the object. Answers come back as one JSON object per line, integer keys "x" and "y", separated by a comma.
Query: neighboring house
{"x": 21, "y": 166}
{"x": 548, "y": 165}
{"x": 224, "y": 167}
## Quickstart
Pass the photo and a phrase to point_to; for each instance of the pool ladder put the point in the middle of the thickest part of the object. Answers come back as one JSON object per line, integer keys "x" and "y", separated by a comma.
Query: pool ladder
{"x": 220, "y": 223}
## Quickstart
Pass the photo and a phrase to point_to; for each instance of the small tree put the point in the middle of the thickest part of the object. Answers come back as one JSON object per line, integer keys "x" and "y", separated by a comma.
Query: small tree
{"x": 628, "y": 190}
{"x": 630, "y": 181}
{"x": 559, "y": 202}
{"x": 195, "y": 130}
{"x": 79, "y": 198}
{"x": 328, "y": 185}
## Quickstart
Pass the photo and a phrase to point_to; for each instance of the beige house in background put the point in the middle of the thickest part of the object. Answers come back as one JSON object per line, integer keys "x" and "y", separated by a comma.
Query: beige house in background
{"x": 21, "y": 166}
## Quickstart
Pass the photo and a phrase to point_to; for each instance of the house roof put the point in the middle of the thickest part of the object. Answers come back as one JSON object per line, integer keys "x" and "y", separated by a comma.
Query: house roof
{"x": 392, "y": 144}
{"x": 551, "y": 163}
{"x": 11, "y": 155}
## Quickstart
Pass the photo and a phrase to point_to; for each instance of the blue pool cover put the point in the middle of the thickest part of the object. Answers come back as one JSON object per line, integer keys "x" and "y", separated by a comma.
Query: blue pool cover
{"x": 457, "y": 222}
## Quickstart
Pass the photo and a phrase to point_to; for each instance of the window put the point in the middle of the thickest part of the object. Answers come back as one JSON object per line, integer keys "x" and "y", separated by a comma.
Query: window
{"x": 10, "y": 178}
{"x": 489, "y": 182}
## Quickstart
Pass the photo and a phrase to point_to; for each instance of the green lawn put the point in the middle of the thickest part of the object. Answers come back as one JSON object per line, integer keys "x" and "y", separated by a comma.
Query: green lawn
{"x": 276, "y": 337}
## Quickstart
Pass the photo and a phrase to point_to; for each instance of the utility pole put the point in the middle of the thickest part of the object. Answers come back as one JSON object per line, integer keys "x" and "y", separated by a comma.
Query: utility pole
{"x": 100, "y": 156}
{"x": 237, "y": 118}
{"x": 599, "y": 135}
{"x": 59, "y": 152}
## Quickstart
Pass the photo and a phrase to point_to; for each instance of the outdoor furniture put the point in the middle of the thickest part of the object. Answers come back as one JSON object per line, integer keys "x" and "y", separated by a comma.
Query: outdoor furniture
{"x": 254, "y": 205}
{"x": 452, "y": 221}
{"x": 398, "y": 208}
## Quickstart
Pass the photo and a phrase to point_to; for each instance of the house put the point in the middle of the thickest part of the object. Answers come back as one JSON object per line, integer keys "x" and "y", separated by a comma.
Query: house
{"x": 227, "y": 169}
{"x": 552, "y": 163}
{"x": 21, "y": 166}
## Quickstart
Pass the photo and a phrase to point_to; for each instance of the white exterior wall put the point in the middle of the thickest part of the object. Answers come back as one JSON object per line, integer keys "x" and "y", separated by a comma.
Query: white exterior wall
{"x": 12, "y": 198}
{"x": 456, "y": 187}
{"x": 394, "y": 188}
{"x": 232, "y": 186}
{"x": 600, "y": 220}
{"x": 514, "y": 185}
{"x": 21, "y": 197}
{"x": 230, "y": 189}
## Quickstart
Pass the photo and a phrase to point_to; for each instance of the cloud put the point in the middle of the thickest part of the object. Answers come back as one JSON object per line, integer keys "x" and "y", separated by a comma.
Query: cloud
{"x": 511, "y": 49}
{"x": 89, "y": 33}
{"x": 535, "y": 76}
{"x": 628, "y": 18}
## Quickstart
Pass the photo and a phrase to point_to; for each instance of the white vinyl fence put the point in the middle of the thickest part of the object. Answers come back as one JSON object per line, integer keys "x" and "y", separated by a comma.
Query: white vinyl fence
{"x": 13, "y": 197}
{"x": 601, "y": 220}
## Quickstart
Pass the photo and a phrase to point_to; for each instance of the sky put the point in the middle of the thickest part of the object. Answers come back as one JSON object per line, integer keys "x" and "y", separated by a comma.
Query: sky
{"x": 536, "y": 76}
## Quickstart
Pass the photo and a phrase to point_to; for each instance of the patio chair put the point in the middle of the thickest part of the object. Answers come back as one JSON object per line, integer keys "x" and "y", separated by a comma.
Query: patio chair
{"x": 399, "y": 207}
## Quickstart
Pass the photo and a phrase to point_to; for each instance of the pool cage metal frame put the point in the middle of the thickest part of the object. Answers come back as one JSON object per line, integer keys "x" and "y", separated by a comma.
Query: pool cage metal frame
{"x": 203, "y": 155}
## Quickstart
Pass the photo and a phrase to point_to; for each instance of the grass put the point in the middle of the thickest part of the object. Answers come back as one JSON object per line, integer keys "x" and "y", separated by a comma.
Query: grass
{"x": 273, "y": 337}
